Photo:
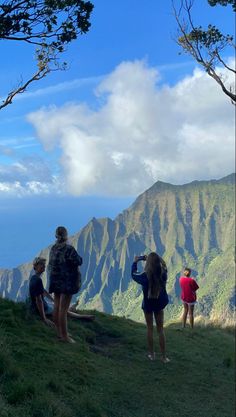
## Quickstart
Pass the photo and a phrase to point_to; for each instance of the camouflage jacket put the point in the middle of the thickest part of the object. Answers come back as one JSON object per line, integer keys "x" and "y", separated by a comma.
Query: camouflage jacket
{"x": 63, "y": 268}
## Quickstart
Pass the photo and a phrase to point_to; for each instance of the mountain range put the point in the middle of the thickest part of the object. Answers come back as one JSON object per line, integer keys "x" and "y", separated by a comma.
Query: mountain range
{"x": 188, "y": 225}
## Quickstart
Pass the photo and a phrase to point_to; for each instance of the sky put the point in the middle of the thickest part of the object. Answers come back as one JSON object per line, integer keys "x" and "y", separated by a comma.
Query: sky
{"x": 129, "y": 111}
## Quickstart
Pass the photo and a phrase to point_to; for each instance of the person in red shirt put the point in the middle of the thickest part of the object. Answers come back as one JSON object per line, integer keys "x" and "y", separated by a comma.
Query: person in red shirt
{"x": 188, "y": 287}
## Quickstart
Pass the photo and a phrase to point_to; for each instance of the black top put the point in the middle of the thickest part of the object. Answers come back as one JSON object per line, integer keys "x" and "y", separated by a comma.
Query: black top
{"x": 35, "y": 289}
{"x": 150, "y": 304}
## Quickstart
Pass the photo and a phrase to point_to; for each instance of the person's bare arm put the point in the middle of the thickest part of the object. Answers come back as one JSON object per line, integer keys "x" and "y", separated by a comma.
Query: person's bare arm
{"x": 74, "y": 315}
{"x": 40, "y": 306}
{"x": 46, "y": 293}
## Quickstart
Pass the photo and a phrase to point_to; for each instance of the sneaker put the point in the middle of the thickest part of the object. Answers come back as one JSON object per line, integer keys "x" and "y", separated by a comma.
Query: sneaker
{"x": 151, "y": 356}
{"x": 66, "y": 340}
{"x": 165, "y": 359}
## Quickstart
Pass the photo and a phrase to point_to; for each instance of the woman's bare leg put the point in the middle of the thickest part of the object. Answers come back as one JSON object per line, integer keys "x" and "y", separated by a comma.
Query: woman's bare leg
{"x": 185, "y": 313}
{"x": 64, "y": 306}
{"x": 191, "y": 315}
{"x": 55, "y": 314}
{"x": 159, "y": 318}
{"x": 149, "y": 321}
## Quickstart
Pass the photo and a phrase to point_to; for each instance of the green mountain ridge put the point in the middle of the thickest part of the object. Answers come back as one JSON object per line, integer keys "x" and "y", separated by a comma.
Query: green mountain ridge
{"x": 107, "y": 374}
{"x": 191, "y": 224}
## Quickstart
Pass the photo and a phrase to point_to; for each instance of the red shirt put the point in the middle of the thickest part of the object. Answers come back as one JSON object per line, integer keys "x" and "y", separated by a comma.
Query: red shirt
{"x": 188, "y": 289}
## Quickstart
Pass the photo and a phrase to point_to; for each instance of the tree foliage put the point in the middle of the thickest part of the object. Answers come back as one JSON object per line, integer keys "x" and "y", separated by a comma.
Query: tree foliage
{"x": 50, "y": 25}
{"x": 206, "y": 45}
{"x": 223, "y": 3}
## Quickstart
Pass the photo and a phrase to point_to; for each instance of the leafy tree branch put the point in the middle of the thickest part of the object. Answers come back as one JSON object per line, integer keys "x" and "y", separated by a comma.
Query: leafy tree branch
{"x": 206, "y": 46}
{"x": 50, "y": 25}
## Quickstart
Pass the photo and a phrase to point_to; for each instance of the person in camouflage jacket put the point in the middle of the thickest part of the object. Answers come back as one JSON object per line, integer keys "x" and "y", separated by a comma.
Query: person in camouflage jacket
{"x": 64, "y": 280}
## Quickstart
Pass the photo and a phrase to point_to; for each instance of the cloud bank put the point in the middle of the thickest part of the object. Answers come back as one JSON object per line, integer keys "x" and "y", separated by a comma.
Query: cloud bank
{"x": 140, "y": 131}
{"x": 27, "y": 176}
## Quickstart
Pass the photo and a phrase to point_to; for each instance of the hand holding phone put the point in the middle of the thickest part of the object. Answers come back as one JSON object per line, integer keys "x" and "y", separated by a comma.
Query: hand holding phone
{"x": 140, "y": 258}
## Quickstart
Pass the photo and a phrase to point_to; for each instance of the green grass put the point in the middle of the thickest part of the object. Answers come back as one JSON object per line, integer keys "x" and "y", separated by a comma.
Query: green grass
{"x": 106, "y": 374}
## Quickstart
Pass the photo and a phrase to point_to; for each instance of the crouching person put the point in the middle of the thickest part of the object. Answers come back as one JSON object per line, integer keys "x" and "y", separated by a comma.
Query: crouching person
{"x": 37, "y": 292}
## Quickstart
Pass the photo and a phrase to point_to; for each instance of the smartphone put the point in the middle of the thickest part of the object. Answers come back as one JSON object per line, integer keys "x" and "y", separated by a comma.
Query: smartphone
{"x": 142, "y": 258}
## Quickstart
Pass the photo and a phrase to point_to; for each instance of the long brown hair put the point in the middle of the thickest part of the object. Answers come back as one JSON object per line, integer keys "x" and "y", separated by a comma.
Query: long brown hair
{"x": 154, "y": 269}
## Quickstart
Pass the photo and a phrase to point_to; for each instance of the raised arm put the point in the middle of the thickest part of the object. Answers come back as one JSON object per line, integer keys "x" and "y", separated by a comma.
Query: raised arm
{"x": 140, "y": 278}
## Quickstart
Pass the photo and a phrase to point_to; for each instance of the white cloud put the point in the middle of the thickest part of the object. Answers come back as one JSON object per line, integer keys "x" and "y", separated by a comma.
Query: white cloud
{"x": 28, "y": 176}
{"x": 141, "y": 132}
{"x": 24, "y": 170}
{"x": 29, "y": 188}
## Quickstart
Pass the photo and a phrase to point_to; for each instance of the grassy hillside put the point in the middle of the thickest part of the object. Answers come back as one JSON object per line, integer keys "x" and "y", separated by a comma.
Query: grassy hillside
{"x": 106, "y": 374}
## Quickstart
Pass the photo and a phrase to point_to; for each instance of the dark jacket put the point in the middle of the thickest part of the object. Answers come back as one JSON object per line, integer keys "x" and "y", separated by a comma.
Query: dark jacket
{"x": 63, "y": 269}
{"x": 150, "y": 304}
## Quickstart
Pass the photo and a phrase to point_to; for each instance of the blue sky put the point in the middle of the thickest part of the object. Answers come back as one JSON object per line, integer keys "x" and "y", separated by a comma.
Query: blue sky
{"x": 129, "y": 111}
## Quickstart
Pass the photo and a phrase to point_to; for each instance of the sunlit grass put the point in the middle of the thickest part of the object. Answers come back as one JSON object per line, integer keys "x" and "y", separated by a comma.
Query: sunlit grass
{"x": 106, "y": 373}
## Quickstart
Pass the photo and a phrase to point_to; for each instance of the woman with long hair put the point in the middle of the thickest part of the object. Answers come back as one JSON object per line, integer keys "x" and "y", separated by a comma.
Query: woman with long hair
{"x": 155, "y": 298}
{"x": 64, "y": 280}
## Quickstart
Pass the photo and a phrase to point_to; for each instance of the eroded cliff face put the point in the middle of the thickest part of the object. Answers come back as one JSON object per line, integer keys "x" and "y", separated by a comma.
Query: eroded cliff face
{"x": 191, "y": 224}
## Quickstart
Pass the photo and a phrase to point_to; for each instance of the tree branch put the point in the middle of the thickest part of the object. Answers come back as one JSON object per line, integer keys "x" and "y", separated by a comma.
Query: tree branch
{"x": 42, "y": 72}
{"x": 224, "y": 64}
{"x": 50, "y": 25}
{"x": 205, "y": 46}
